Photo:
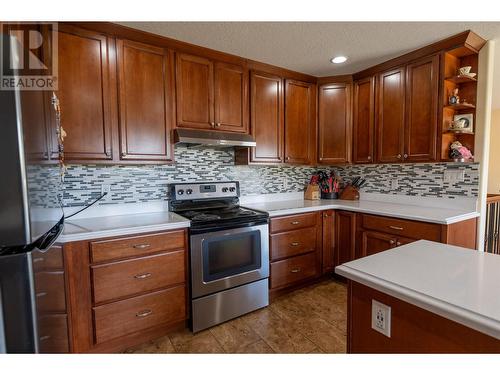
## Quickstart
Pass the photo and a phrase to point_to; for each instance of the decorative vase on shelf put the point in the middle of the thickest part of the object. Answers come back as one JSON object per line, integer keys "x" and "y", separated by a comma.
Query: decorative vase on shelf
{"x": 454, "y": 98}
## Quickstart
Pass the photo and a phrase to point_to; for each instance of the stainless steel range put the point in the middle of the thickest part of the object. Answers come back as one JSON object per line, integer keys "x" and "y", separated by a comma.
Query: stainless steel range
{"x": 229, "y": 252}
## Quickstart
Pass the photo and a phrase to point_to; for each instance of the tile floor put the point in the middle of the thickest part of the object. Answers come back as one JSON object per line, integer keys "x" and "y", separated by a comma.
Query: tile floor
{"x": 309, "y": 320}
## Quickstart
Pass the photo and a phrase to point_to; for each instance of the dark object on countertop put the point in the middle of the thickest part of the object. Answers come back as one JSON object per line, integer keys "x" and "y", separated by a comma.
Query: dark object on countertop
{"x": 332, "y": 195}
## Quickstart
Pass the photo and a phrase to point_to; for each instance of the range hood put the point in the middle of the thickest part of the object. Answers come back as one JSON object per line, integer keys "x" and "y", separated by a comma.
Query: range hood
{"x": 212, "y": 138}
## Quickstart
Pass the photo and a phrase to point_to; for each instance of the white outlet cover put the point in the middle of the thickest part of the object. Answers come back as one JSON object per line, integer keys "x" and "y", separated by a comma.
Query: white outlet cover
{"x": 381, "y": 318}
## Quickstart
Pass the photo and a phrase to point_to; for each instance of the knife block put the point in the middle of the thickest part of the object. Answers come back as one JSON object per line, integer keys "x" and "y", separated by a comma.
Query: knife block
{"x": 350, "y": 193}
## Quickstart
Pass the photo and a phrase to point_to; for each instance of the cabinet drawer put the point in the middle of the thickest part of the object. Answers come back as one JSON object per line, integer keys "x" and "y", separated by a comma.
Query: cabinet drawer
{"x": 128, "y": 277}
{"x": 289, "y": 271}
{"x": 406, "y": 228}
{"x": 281, "y": 224}
{"x": 51, "y": 259}
{"x": 53, "y": 333}
{"x": 135, "y": 314}
{"x": 50, "y": 293}
{"x": 294, "y": 242}
{"x": 136, "y": 246}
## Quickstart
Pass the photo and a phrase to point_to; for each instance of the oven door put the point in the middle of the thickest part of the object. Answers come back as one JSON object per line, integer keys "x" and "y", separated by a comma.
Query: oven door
{"x": 224, "y": 259}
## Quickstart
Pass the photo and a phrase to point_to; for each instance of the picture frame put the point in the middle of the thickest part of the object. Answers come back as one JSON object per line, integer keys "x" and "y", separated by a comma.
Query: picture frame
{"x": 468, "y": 119}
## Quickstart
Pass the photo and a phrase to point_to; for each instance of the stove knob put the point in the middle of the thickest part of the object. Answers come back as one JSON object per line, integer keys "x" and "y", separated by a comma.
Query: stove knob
{"x": 232, "y": 189}
{"x": 224, "y": 189}
{"x": 189, "y": 191}
{"x": 180, "y": 192}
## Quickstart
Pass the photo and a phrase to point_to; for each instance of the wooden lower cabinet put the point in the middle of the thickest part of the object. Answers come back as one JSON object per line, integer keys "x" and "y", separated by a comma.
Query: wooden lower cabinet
{"x": 125, "y": 291}
{"x": 131, "y": 315}
{"x": 295, "y": 250}
{"x": 345, "y": 236}
{"x": 328, "y": 251}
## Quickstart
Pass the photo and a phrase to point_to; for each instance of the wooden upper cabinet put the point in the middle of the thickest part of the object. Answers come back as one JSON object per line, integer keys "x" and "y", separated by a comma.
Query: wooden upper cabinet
{"x": 334, "y": 123}
{"x": 195, "y": 92}
{"x": 299, "y": 121}
{"x": 145, "y": 84}
{"x": 421, "y": 109}
{"x": 391, "y": 115}
{"x": 86, "y": 93}
{"x": 267, "y": 117}
{"x": 35, "y": 112}
{"x": 364, "y": 121}
{"x": 231, "y": 98}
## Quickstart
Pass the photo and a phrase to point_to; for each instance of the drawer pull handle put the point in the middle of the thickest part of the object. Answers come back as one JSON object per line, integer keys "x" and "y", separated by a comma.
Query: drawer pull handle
{"x": 295, "y": 270}
{"x": 41, "y": 294}
{"x": 43, "y": 338}
{"x": 144, "y": 313}
{"x": 142, "y": 246}
{"x": 294, "y": 244}
{"x": 143, "y": 275}
{"x": 395, "y": 228}
{"x": 36, "y": 260}
{"x": 295, "y": 222}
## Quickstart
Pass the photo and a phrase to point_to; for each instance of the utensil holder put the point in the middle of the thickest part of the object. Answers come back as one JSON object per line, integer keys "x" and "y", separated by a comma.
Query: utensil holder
{"x": 350, "y": 193}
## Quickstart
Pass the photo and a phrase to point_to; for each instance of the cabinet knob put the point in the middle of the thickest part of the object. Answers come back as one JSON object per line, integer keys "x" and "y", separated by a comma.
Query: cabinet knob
{"x": 392, "y": 242}
{"x": 218, "y": 125}
{"x": 398, "y": 156}
{"x": 212, "y": 124}
{"x": 405, "y": 156}
{"x": 369, "y": 157}
{"x": 398, "y": 243}
{"x": 287, "y": 158}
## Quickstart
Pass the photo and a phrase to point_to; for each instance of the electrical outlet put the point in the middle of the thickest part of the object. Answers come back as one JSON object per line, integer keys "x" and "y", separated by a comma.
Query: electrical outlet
{"x": 381, "y": 318}
{"x": 106, "y": 189}
{"x": 453, "y": 176}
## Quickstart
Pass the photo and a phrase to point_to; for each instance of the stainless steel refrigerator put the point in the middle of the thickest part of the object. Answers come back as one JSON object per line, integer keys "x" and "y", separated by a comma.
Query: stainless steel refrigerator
{"x": 31, "y": 218}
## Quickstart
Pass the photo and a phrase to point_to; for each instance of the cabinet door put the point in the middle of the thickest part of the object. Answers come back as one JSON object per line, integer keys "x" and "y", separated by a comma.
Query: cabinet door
{"x": 421, "y": 109}
{"x": 391, "y": 115}
{"x": 266, "y": 117}
{"x": 231, "y": 98}
{"x": 35, "y": 112}
{"x": 345, "y": 233}
{"x": 334, "y": 123}
{"x": 298, "y": 121}
{"x": 364, "y": 121}
{"x": 195, "y": 92}
{"x": 376, "y": 242}
{"x": 145, "y": 84}
{"x": 328, "y": 241}
{"x": 86, "y": 94}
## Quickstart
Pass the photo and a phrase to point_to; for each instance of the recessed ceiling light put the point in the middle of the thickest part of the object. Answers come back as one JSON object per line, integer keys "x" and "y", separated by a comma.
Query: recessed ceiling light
{"x": 339, "y": 59}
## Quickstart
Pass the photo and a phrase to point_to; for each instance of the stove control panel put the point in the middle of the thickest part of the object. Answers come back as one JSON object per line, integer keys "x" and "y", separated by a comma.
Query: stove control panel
{"x": 206, "y": 190}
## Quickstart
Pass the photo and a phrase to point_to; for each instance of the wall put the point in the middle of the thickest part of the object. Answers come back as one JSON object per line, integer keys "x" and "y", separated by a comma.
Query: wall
{"x": 132, "y": 184}
{"x": 494, "y": 165}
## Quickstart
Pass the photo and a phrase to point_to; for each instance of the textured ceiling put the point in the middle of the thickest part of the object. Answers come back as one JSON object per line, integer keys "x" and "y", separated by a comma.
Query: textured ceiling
{"x": 308, "y": 46}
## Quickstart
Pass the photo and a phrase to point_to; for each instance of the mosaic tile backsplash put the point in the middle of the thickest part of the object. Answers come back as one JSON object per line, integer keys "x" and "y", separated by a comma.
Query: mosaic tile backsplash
{"x": 132, "y": 184}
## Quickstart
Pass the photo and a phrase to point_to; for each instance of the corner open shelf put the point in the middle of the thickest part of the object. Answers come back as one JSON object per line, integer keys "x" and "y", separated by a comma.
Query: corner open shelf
{"x": 460, "y": 106}
{"x": 459, "y": 131}
{"x": 461, "y": 79}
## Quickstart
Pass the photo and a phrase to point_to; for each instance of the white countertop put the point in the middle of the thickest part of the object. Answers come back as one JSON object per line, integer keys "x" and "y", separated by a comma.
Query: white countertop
{"x": 456, "y": 283}
{"x": 120, "y": 225}
{"x": 439, "y": 215}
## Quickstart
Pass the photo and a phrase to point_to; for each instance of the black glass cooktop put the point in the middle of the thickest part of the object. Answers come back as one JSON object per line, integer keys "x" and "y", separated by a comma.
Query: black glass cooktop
{"x": 222, "y": 214}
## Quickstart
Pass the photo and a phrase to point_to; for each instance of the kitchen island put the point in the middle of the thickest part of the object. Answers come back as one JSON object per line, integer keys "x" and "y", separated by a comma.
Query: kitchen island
{"x": 435, "y": 298}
